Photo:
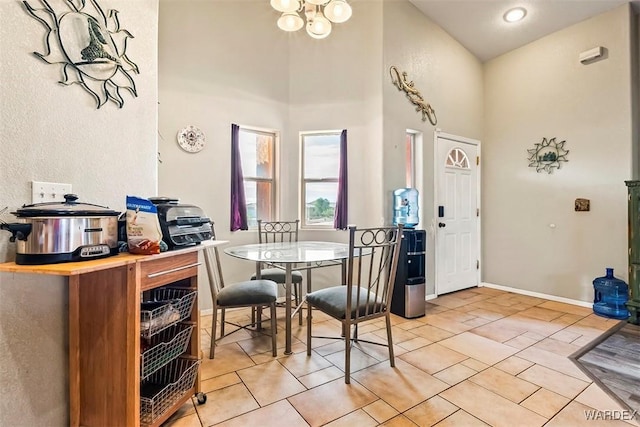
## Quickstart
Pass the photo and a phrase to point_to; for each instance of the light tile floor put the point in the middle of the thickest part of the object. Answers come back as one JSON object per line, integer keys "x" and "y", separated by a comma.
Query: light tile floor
{"x": 479, "y": 357}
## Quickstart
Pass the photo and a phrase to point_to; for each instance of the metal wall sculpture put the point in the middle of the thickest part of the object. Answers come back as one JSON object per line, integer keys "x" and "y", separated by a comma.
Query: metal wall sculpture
{"x": 400, "y": 81}
{"x": 89, "y": 45}
{"x": 547, "y": 155}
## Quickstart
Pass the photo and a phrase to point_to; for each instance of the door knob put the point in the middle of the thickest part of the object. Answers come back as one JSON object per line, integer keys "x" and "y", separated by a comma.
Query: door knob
{"x": 442, "y": 224}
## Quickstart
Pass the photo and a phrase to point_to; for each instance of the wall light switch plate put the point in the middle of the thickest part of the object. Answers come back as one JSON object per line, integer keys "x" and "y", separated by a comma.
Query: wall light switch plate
{"x": 42, "y": 192}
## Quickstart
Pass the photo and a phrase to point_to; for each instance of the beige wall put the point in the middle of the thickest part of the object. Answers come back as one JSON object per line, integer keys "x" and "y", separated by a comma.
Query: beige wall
{"x": 293, "y": 83}
{"x": 635, "y": 93}
{"x": 49, "y": 132}
{"x": 212, "y": 75}
{"x": 215, "y": 72}
{"x": 449, "y": 78}
{"x": 273, "y": 80}
{"x": 335, "y": 84}
{"x": 541, "y": 90}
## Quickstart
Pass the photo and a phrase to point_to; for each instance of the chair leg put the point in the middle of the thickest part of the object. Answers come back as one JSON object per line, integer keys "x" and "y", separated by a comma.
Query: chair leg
{"x": 308, "y": 307}
{"x": 274, "y": 328}
{"x": 214, "y": 329}
{"x": 308, "y": 329}
{"x": 390, "y": 341}
{"x": 297, "y": 290}
{"x": 347, "y": 353}
{"x": 222, "y": 322}
{"x": 258, "y": 318}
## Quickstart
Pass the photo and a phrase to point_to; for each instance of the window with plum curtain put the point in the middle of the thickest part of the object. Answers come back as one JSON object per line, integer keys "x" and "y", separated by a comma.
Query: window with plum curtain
{"x": 324, "y": 179}
{"x": 255, "y": 162}
{"x": 341, "y": 216}
{"x": 238, "y": 202}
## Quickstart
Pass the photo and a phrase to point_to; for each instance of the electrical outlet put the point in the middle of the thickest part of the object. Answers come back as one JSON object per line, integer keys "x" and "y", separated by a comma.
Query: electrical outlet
{"x": 42, "y": 192}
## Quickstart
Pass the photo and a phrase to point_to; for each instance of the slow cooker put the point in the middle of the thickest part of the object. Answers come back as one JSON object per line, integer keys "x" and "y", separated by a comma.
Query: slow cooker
{"x": 55, "y": 232}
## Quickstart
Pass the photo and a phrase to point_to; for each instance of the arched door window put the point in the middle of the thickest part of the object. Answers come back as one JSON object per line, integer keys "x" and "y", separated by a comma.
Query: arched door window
{"x": 457, "y": 158}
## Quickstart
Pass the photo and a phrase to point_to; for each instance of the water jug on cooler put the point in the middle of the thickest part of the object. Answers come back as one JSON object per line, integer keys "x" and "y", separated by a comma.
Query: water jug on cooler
{"x": 405, "y": 207}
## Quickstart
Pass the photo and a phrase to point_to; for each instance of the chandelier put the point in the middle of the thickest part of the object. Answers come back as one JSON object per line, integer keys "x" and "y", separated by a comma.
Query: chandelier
{"x": 318, "y": 13}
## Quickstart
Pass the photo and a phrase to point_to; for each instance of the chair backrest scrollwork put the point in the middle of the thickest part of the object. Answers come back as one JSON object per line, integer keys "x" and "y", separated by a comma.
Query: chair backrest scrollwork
{"x": 371, "y": 270}
{"x": 278, "y": 231}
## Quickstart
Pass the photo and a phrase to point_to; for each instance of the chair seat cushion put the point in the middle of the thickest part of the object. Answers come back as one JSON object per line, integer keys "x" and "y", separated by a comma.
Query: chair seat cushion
{"x": 247, "y": 293}
{"x": 333, "y": 301}
{"x": 278, "y": 275}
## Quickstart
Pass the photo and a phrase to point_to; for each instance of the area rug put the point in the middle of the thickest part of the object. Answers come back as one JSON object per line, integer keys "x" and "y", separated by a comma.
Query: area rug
{"x": 613, "y": 362}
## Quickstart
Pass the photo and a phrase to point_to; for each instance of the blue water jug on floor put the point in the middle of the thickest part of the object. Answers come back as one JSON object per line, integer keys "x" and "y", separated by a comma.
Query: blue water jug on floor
{"x": 611, "y": 296}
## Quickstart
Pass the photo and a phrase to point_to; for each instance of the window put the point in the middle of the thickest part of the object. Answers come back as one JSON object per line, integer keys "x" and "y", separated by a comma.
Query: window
{"x": 410, "y": 159}
{"x": 320, "y": 172}
{"x": 257, "y": 153}
{"x": 457, "y": 158}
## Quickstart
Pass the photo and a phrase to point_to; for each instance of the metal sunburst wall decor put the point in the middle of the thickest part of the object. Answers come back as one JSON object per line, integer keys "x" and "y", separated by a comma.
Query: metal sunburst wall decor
{"x": 89, "y": 45}
{"x": 548, "y": 155}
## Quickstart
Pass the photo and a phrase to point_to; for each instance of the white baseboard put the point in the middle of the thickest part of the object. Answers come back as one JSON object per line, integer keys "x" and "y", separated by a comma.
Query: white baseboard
{"x": 538, "y": 295}
{"x": 430, "y": 297}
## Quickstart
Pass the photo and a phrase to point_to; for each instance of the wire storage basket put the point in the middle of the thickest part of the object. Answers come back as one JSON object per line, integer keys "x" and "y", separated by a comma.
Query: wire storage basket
{"x": 165, "y": 346}
{"x": 166, "y": 307}
{"x": 165, "y": 387}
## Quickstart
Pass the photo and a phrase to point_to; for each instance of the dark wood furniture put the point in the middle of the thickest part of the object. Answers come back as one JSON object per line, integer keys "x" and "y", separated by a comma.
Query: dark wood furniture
{"x": 633, "y": 304}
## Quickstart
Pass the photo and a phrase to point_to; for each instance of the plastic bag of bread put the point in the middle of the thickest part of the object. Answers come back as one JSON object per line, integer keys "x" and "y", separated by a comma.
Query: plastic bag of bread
{"x": 143, "y": 228}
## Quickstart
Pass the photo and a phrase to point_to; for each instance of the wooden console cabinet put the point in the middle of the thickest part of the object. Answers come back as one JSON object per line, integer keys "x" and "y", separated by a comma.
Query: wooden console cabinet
{"x": 633, "y": 305}
{"x": 104, "y": 330}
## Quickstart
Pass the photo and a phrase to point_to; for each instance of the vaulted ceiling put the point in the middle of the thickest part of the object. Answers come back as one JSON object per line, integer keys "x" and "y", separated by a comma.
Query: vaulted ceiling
{"x": 479, "y": 25}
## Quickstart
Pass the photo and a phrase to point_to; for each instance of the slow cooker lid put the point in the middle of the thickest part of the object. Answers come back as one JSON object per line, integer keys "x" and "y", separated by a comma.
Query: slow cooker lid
{"x": 70, "y": 207}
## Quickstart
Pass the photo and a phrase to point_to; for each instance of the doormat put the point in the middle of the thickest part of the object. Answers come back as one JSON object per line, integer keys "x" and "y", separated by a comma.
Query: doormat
{"x": 613, "y": 362}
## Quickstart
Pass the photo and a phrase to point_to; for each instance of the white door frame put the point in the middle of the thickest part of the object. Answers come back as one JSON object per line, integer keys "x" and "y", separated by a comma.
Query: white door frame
{"x": 438, "y": 134}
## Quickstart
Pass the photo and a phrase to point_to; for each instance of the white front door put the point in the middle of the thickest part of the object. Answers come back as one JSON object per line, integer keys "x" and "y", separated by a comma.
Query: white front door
{"x": 457, "y": 214}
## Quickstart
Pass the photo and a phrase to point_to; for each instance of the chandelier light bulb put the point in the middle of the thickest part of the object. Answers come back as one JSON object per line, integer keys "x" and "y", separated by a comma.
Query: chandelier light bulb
{"x": 290, "y": 22}
{"x": 319, "y": 27}
{"x": 318, "y": 15}
{"x": 285, "y": 5}
{"x": 338, "y": 11}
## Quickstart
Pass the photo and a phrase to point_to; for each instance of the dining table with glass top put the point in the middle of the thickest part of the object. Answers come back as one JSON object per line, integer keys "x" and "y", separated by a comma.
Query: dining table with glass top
{"x": 293, "y": 256}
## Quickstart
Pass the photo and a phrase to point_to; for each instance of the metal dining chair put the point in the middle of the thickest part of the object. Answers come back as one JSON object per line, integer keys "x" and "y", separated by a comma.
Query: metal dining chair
{"x": 281, "y": 231}
{"x": 251, "y": 293}
{"x": 367, "y": 293}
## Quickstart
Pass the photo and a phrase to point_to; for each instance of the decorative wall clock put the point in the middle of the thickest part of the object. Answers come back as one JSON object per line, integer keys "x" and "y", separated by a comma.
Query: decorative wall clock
{"x": 191, "y": 139}
{"x": 89, "y": 45}
{"x": 547, "y": 155}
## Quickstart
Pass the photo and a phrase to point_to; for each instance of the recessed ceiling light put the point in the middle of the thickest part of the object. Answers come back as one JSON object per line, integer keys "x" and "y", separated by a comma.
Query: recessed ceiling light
{"x": 515, "y": 14}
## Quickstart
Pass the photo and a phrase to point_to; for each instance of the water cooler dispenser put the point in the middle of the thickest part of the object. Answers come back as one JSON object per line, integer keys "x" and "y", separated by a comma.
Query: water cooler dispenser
{"x": 409, "y": 289}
